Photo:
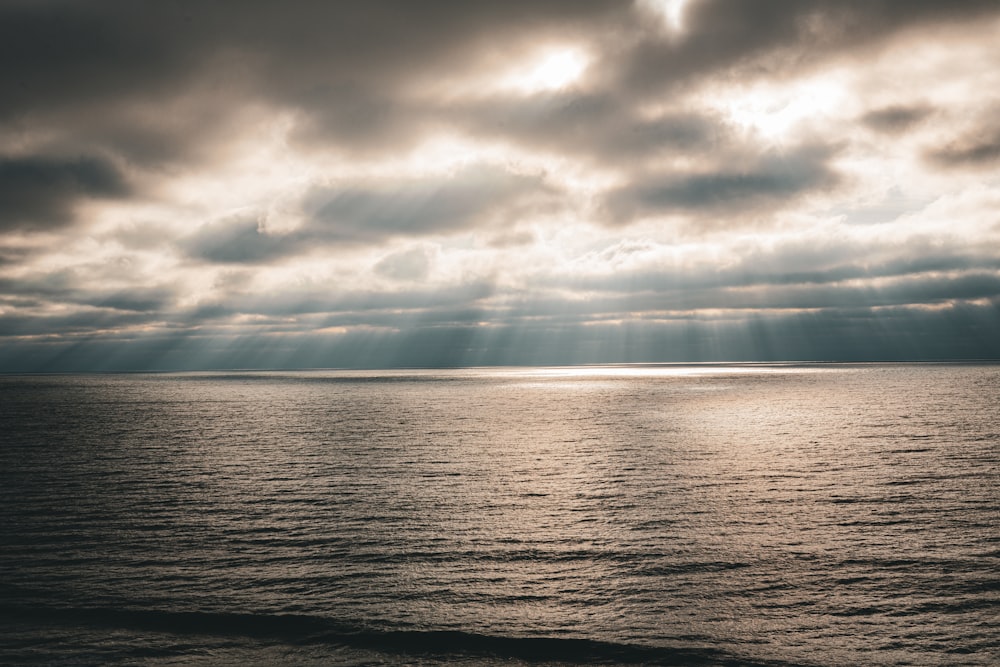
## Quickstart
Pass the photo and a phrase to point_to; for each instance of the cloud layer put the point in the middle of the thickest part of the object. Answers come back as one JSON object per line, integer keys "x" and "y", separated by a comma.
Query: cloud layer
{"x": 191, "y": 185}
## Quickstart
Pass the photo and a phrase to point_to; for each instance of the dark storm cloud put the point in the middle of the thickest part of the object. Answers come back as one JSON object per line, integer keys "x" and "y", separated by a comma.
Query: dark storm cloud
{"x": 242, "y": 239}
{"x": 424, "y": 207}
{"x": 773, "y": 180}
{"x": 905, "y": 291}
{"x": 973, "y": 154}
{"x": 374, "y": 106}
{"x": 916, "y": 290}
{"x": 38, "y": 193}
{"x": 304, "y": 309}
{"x": 99, "y": 71}
{"x": 70, "y": 53}
{"x": 344, "y": 63}
{"x": 776, "y": 36}
{"x": 755, "y": 284}
{"x": 598, "y": 125}
{"x": 897, "y": 118}
{"x": 806, "y": 263}
{"x": 351, "y": 67}
{"x": 977, "y": 149}
{"x": 330, "y": 299}
{"x": 80, "y": 306}
{"x": 80, "y": 322}
{"x": 12, "y": 256}
{"x": 373, "y": 213}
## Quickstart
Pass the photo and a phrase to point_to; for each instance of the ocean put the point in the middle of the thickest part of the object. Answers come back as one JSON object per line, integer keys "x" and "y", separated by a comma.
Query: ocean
{"x": 744, "y": 514}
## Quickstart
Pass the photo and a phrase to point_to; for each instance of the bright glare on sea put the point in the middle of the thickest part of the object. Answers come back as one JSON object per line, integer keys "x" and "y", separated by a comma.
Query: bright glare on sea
{"x": 704, "y": 515}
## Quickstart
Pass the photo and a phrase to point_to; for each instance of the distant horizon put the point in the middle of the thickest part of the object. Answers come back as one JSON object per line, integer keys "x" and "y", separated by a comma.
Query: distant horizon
{"x": 722, "y": 364}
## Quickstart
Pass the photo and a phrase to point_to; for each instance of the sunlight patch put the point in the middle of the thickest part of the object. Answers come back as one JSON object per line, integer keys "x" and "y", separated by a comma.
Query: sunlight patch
{"x": 554, "y": 70}
{"x": 670, "y": 11}
{"x": 774, "y": 113}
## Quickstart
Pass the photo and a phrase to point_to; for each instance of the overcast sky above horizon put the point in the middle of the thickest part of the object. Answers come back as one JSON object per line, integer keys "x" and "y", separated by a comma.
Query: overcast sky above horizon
{"x": 379, "y": 183}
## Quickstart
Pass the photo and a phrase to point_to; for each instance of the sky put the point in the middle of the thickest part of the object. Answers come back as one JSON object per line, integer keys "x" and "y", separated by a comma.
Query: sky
{"x": 192, "y": 185}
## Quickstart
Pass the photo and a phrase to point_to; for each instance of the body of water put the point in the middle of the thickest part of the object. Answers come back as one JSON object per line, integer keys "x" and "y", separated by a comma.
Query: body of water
{"x": 703, "y": 515}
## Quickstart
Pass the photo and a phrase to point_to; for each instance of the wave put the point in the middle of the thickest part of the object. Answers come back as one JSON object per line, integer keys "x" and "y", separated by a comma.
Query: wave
{"x": 310, "y": 630}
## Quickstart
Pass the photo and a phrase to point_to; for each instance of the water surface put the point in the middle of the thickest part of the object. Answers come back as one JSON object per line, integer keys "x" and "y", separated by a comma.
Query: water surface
{"x": 746, "y": 514}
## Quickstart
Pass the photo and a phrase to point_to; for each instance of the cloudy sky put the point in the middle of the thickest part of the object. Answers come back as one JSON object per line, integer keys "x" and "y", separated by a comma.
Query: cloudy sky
{"x": 380, "y": 183}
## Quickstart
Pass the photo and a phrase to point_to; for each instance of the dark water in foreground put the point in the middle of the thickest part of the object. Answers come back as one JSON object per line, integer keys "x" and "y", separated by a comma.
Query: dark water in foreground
{"x": 828, "y": 515}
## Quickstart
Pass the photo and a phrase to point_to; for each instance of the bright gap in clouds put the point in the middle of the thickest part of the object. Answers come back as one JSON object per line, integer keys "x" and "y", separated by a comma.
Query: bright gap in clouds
{"x": 774, "y": 113}
{"x": 671, "y": 11}
{"x": 555, "y": 69}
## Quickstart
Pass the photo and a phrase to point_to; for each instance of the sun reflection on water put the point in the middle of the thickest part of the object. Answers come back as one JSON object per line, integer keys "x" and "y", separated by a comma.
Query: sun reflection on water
{"x": 661, "y": 370}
